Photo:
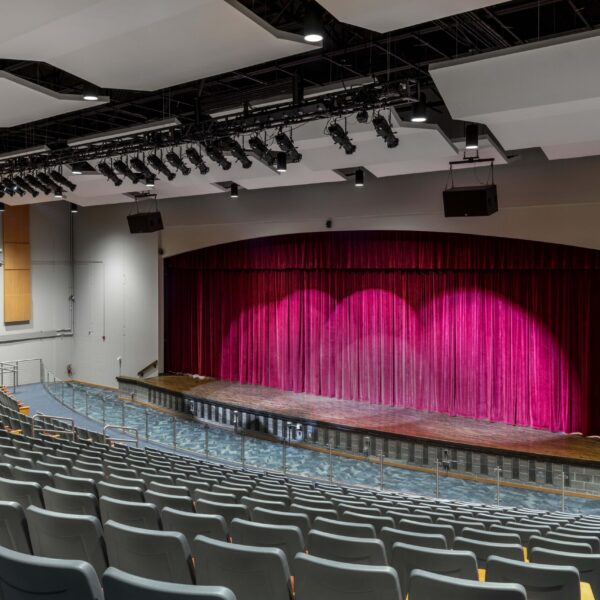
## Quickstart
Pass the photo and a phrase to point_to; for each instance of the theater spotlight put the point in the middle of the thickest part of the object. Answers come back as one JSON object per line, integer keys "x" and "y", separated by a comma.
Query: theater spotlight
{"x": 196, "y": 159}
{"x": 139, "y": 165}
{"x": 123, "y": 169}
{"x": 472, "y": 136}
{"x": 177, "y": 163}
{"x": 383, "y": 129}
{"x": 340, "y": 137}
{"x": 62, "y": 181}
{"x": 419, "y": 110}
{"x": 36, "y": 183}
{"x": 9, "y": 184}
{"x": 108, "y": 172}
{"x": 45, "y": 180}
{"x": 362, "y": 116}
{"x": 287, "y": 145}
{"x": 25, "y": 186}
{"x": 261, "y": 150}
{"x": 158, "y": 165}
{"x": 215, "y": 154}
{"x": 238, "y": 152}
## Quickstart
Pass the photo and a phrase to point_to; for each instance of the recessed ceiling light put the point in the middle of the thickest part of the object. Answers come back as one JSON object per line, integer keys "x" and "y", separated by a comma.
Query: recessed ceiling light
{"x": 90, "y": 97}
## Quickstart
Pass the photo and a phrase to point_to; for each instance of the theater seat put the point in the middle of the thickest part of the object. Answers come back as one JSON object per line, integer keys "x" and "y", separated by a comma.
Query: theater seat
{"x": 362, "y": 551}
{"x": 13, "y": 527}
{"x": 135, "y": 514}
{"x": 193, "y": 524}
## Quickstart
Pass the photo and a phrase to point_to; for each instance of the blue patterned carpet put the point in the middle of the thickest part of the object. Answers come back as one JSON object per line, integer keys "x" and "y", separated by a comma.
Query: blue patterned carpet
{"x": 157, "y": 428}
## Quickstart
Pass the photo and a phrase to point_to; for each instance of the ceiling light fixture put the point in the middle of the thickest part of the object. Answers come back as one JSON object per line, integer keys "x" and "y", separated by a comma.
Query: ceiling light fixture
{"x": 384, "y": 130}
{"x": 158, "y": 165}
{"x": 125, "y": 171}
{"x": 177, "y": 163}
{"x": 25, "y": 186}
{"x": 150, "y": 181}
{"x": 139, "y": 165}
{"x": 362, "y": 116}
{"x": 359, "y": 178}
{"x": 287, "y": 145}
{"x": 74, "y": 208}
{"x": 35, "y": 182}
{"x": 196, "y": 159}
{"x": 2, "y": 207}
{"x": 313, "y": 24}
{"x": 238, "y": 152}
{"x": 340, "y": 137}
{"x": 215, "y": 154}
{"x": 472, "y": 136}
{"x": 261, "y": 150}
{"x": 62, "y": 181}
{"x": 59, "y": 193}
{"x": 281, "y": 162}
{"x": 109, "y": 173}
{"x": 419, "y": 110}
{"x": 234, "y": 190}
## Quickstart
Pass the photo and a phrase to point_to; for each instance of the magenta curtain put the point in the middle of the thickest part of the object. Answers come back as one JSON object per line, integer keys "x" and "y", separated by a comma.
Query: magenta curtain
{"x": 486, "y": 328}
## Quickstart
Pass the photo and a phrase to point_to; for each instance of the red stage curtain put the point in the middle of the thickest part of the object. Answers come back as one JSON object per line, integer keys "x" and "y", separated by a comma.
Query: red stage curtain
{"x": 480, "y": 327}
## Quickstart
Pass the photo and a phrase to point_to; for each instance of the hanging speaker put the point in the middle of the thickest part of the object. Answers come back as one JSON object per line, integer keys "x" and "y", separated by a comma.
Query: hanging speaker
{"x": 473, "y": 201}
{"x": 145, "y": 222}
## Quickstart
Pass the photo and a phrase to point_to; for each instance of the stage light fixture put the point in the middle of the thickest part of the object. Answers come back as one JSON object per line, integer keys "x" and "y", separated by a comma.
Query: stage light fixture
{"x": 234, "y": 190}
{"x": 139, "y": 165}
{"x": 238, "y": 152}
{"x": 62, "y": 180}
{"x": 196, "y": 159}
{"x": 281, "y": 162}
{"x": 109, "y": 173}
{"x": 125, "y": 171}
{"x": 177, "y": 163}
{"x": 158, "y": 165}
{"x": 150, "y": 180}
{"x": 313, "y": 24}
{"x": 35, "y": 182}
{"x": 261, "y": 150}
{"x": 340, "y": 137}
{"x": 359, "y": 178}
{"x": 383, "y": 129}
{"x": 45, "y": 180}
{"x": 419, "y": 110}
{"x": 59, "y": 193}
{"x": 287, "y": 145}
{"x": 472, "y": 136}
{"x": 362, "y": 116}
{"x": 11, "y": 187}
{"x": 74, "y": 208}
{"x": 215, "y": 154}
{"x": 25, "y": 186}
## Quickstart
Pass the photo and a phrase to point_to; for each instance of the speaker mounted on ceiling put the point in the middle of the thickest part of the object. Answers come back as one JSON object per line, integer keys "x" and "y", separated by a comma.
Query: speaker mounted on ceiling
{"x": 474, "y": 200}
{"x": 142, "y": 220}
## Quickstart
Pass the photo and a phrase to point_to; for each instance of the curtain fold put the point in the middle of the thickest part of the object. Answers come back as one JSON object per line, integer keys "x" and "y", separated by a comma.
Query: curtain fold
{"x": 511, "y": 343}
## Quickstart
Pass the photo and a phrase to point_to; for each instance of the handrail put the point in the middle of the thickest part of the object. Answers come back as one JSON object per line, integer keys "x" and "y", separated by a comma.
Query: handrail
{"x": 40, "y": 416}
{"x": 124, "y": 429}
{"x": 149, "y": 366}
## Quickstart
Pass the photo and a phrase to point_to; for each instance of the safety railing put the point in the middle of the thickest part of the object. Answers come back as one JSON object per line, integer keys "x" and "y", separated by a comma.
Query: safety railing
{"x": 43, "y": 418}
{"x": 124, "y": 429}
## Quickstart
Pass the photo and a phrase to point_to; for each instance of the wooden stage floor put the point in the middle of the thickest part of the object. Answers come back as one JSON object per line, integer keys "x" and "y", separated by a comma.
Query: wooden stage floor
{"x": 386, "y": 421}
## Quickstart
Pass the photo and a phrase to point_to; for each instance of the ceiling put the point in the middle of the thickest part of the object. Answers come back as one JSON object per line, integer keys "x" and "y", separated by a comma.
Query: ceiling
{"x": 524, "y": 69}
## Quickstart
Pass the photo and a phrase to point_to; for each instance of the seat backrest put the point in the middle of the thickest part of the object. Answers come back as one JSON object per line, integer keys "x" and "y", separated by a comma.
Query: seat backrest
{"x": 26, "y": 577}
{"x": 453, "y": 563}
{"x": 537, "y": 541}
{"x": 120, "y": 492}
{"x": 228, "y": 511}
{"x": 193, "y": 524}
{"x": 524, "y": 532}
{"x": 364, "y": 530}
{"x": 13, "y": 528}
{"x": 425, "y": 586}
{"x": 95, "y": 474}
{"x": 161, "y": 555}
{"x": 588, "y": 565}
{"x": 322, "y": 579}
{"x": 362, "y": 551}
{"x": 134, "y": 514}
{"x": 119, "y": 585}
{"x": 74, "y": 484}
{"x": 277, "y": 517}
{"x": 73, "y": 537}
{"x": 160, "y": 500}
{"x": 483, "y": 549}
{"x": 542, "y": 582}
{"x": 491, "y": 536}
{"x": 460, "y": 526}
{"x": 415, "y": 527}
{"x": 390, "y": 536}
{"x": 313, "y": 512}
{"x": 377, "y": 522}
{"x": 252, "y": 502}
{"x": 75, "y": 503}
{"x": 225, "y": 497}
{"x": 25, "y": 493}
{"x": 592, "y": 540}
{"x": 172, "y": 490}
{"x": 36, "y": 475}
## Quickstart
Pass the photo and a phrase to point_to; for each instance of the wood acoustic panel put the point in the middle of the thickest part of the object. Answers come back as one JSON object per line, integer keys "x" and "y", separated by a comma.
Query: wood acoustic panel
{"x": 17, "y": 265}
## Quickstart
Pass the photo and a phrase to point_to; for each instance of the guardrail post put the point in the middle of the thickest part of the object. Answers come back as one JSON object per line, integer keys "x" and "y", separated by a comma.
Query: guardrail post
{"x": 146, "y": 420}
{"x": 381, "y": 471}
{"x": 87, "y": 404}
{"x": 206, "y": 440}
{"x": 562, "y": 491}
{"x": 174, "y": 432}
{"x": 498, "y": 473}
{"x": 103, "y": 411}
{"x": 330, "y": 462}
{"x": 284, "y": 457}
{"x": 41, "y": 371}
{"x": 123, "y": 411}
{"x": 243, "y": 449}
{"x": 437, "y": 478}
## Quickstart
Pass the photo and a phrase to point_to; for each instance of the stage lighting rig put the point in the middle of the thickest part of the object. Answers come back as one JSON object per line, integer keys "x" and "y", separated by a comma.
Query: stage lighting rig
{"x": 10, "y": 187}
{"x": 362, "y": 116}
{"x": 340, "y": 137}
{"x": 384, "y": 130}
{"x": 287, "y": 145}
{"x": 158, "y": 165}
{"x": 261, "y": 150}
{"x": 36, "y": 183}
{"x": 139, "y": 165}
{"x": 215, "y": 154}
{"x": 177, "y": 163}
{"x": 196, "y": 159}
{"x": 62, "y": 180}
{"x": 109, "y": 173}
{"x": 124, "y": 170}
{"x": 25, "y": 186}
{"x": 238, "y": 152}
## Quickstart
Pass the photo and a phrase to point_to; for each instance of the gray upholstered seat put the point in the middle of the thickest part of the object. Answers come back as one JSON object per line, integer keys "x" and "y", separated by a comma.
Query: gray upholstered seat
{"x": 362, "y": 551}
{"x": 193, "y": 524}
{"x": 135, "y": 514}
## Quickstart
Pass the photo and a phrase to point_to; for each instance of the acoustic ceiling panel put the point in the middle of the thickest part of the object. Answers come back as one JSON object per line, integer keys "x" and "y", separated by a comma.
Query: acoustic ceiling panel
{"x": 23, "y": 102}
{"x": 545, "y": 94}
{"x": 142, "y": 44}
{"x": 388, "y": 15}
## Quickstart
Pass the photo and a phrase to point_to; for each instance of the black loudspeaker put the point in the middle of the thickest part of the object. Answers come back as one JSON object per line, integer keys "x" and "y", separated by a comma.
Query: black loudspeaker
{"x": 146, "y": 222}
{"x": 474, "y": 201}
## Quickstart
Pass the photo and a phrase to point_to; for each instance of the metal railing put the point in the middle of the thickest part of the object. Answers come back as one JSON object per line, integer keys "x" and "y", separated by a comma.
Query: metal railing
{"x": 124, "y": 429}
{"x": 43, "y": 417}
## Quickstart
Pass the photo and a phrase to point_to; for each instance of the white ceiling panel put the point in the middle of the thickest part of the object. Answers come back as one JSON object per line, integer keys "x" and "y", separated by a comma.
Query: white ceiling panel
{"x": 388, "y": 15}
{"x": 23, "y": 102}
{"x": 296, "y": 174}
{"x": 544, "y": 94}
{"x": 142, "y": 44}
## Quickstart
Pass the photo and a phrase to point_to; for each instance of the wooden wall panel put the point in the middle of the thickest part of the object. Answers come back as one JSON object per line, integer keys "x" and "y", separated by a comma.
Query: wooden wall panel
{"x": 17, "y": 265}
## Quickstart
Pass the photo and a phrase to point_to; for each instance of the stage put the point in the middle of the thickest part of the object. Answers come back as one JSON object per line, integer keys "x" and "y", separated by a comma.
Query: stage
{"x": 400, "y": 424}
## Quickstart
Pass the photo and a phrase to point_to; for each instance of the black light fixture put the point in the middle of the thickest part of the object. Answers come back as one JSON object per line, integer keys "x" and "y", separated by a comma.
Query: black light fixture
{"x": 287, "y": 145}
{"x": 109, "y": 173}
{"x": 2, "y": 207}
{"x": 472, "y": 136}
{"x": 24, "y": 185}
{"x": 419, "y": 110}
{"x": 11, "y": 186}
{"x": 216, "y": 154}
{"x": 90, "y": 94}
{"x": 196, "y": 159}
{"x": 81, "y": 167}
{"x": 238, "y": 152}
{"x": 158, "y": 165}
{"x": 234, "y": 190}
{"x": 62, "y": 181}
{"x": 177, "y": 163}
{"x": 139, "y": 165}
{"x": 74, "y": 208}
{"x": 383, "y": 129}
{"x": 125, "y": 171}
{"x": 281, "y": 162}
{"x": 150, "y": 180}
{"x": 261, "y": 150}
{"x": 359, "y": 178}
{"x": 35, "y": 182}
{"x": 313, "y": 24}
{"x": 59, "y": 193}
{"x": 340, "y": 137}
{"x": 362, "y": 116}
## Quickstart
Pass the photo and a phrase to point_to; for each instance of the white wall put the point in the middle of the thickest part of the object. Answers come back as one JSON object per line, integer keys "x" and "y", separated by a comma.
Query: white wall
{"x": 51, "y": 288}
